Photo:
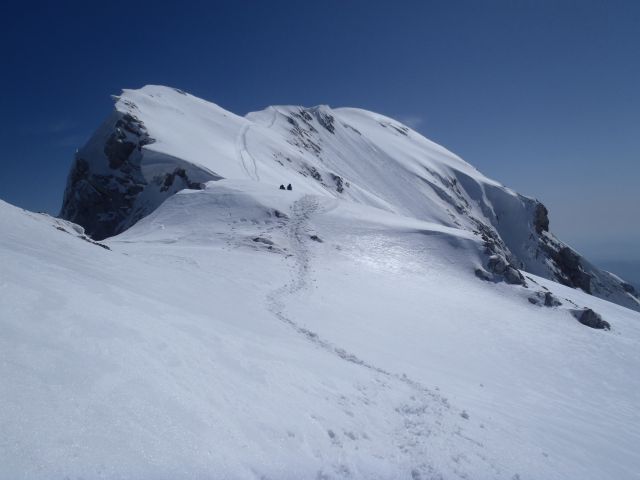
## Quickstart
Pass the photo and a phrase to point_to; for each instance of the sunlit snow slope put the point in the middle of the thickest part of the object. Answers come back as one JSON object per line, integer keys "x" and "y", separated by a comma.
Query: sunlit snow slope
{"x": 160, "y": 140}
{"x": 373, "y": 323}
{"x": 241, "y": 331}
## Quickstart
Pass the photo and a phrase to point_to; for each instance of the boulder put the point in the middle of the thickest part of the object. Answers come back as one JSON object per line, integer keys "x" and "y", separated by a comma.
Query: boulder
{"x": 591, "y": 319}
{"x": 497, "y": 264}
{"x": 545, "y": 298}
{"x": 513, "y": 276}
{"x": 551, "y": 300}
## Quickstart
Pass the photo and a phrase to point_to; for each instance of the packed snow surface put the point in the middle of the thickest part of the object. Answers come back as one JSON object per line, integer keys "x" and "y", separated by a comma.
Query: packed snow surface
{"x": 240, "y": 331}
{"x": 247, "y": 332}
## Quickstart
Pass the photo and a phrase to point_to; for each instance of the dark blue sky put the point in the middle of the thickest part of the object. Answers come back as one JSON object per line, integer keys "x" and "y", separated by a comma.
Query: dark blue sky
{"x": 540, "y": 95}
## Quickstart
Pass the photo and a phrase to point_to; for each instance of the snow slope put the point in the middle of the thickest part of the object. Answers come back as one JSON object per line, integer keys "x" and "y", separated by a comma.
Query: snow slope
{"x": 160, "y": 140}
{"x": 240, "y": 331}
{"x": 394, "y": 316}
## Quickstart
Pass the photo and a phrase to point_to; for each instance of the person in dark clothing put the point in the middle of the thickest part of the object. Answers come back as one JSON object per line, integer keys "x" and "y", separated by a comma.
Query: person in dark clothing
{"x": 289, "y": 187}
{"x": 281, "y": 187}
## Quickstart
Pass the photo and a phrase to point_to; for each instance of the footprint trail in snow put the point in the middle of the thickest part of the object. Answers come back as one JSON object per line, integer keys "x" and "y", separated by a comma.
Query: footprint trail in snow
{"x": 425, "y": 420}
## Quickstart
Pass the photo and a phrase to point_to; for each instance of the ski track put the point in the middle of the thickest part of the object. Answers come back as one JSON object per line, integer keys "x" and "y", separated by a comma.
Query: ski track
{"x": 422, "y": 415}
{"x": 243, "y": 152}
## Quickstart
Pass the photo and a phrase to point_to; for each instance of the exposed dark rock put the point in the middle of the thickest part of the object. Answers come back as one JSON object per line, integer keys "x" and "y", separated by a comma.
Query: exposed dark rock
{"x": 82, "y": 236}
{"x": 541, "y": 218}
{"x": 326, "y": 120}
{"x": 513, "y": 276}
{"x": 497, "y": 264}
{"x": 315, "y": 174}
{"x": 337, "y": 179}
{"x": 402, "y": 130}
{"x": 303, "y": 131}
{"x": 346, "y": 125}
{"x": 591, "y": 319}
{"x": 100, "y": 202}
{"x": 128, "y": 134}
{"x": 302, "y": 135}
{"x": 117, "y": 149}
{"x": 303, "y": 115}
{"x": 87, "y": 239}
{"x": 106, "y": 201}
{"x": 79, "y": 171}
{"x": 570, "y": 269}
{"x": 458, "y": 202}
{"x": 545, "y": 298}
{"x": 316, "y": 238}
{"x": 550, "y": 300}
{"x": 573, "y": 275}
{"x": 500, "y": 262}
{"x": 182, "y": 174}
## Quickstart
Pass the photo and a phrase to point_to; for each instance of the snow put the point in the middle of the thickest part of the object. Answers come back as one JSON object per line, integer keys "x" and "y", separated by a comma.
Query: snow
{"x": 342, "y": 153}
{"x": 191, "y": 350}
{"x": 245, "y": 332}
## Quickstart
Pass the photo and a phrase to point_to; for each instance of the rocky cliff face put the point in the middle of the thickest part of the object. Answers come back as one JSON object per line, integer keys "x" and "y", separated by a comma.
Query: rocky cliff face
{"x": 160, "y": 140}
{"x": 104, "y": 202}
{"x": 109, "y": 189}
{"x": 533, "y": 248}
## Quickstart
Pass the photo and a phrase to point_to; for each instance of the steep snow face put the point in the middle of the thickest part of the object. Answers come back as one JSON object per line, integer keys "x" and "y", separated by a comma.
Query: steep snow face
{"x": 240, "y": 331}
{"x": 160, "y": 140}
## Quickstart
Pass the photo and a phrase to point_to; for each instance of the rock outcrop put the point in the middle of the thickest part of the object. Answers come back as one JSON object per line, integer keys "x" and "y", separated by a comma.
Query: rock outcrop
{"x": 591, "y": 319}
{"x": 108, "y": 190}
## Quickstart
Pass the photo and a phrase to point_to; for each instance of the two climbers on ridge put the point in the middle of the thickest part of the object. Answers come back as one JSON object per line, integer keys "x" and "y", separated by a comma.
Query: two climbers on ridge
{"x": 289, "y": 187}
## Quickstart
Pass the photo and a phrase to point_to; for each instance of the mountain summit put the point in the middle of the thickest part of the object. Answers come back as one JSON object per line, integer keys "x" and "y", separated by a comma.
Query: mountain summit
{"x": 393, "y": 315}
{"x": 160, "y": 140}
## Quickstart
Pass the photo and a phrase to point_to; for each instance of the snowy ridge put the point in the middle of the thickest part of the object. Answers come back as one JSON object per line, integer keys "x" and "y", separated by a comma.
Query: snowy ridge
{"x": 160, "y": 140}
{"x": 374, "y": 323}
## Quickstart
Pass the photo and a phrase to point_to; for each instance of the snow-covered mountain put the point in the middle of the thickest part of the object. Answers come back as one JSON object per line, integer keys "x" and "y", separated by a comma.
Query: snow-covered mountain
{"x": 160, "y": 140}
{"x": 395, "y": 315}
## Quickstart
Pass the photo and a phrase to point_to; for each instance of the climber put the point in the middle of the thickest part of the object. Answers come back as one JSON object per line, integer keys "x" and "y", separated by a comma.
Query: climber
{"x": 289, "y": 187}
{"x": 281, "y": 187}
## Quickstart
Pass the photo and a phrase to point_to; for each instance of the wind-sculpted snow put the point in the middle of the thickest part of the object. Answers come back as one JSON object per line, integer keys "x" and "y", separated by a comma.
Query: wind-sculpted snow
{"x": 161, "y": 140}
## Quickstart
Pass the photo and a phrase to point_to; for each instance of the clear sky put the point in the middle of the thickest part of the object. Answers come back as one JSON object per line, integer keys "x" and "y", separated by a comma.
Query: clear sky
{"x": 543, "y": 96}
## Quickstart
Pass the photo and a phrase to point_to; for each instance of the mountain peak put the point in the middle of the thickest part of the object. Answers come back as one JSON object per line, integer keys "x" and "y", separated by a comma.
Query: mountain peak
{"x": 160, "y": 140}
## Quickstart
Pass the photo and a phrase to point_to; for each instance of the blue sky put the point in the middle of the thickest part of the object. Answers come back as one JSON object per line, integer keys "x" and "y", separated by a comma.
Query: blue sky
{"x": 540, "y": 95}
